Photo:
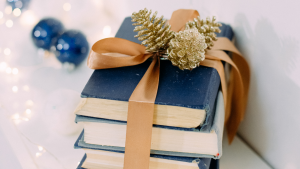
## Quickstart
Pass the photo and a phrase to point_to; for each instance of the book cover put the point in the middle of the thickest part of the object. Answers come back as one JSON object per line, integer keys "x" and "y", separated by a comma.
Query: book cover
{"x": 195, "y": 89}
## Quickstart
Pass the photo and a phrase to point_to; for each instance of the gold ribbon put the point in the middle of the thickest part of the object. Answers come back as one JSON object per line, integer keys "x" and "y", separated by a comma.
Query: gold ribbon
{"x": 141, "y": 102}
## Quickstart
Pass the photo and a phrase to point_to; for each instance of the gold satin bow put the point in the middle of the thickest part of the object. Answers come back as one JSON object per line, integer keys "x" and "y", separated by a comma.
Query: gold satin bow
{"x": 141, "y": 102}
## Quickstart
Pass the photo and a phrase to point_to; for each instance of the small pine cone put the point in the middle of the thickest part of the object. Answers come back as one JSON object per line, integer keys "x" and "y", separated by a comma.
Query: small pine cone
{"x": 186, "y": 49}
{"x": 153, "y": 32}
{"x": 206, "y": 27}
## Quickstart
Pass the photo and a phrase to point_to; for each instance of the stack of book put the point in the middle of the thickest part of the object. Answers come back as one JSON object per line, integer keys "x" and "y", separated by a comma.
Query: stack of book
{"x": 188, "y": 116}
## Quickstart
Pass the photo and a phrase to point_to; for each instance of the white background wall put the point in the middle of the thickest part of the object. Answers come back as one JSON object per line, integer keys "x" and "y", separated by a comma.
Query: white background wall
{"x": 268, "y": 34}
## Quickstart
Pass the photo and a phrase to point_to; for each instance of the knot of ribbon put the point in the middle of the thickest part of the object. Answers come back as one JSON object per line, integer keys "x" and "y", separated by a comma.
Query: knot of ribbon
{"x": 116, "y": 52}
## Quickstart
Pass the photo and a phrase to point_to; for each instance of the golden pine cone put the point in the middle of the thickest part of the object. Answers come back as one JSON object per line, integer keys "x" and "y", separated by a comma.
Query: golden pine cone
{"x": 206, "y": 27}
{"x": 187, "y": 49}
{"x": 153, "y": 32}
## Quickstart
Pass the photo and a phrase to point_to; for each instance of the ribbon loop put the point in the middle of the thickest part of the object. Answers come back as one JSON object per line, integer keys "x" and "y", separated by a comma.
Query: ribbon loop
{"x": 101, "y": 56}
{"x": 180, "y": 17}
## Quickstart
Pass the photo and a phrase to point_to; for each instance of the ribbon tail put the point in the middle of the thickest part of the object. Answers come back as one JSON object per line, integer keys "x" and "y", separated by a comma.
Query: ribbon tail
{"x": 237, "y": 111}
{"x": 244, "y": 70}
{"x": 236, "y": 104}
{"x": 232, "y": 100}
{"x": 238, "y": 87}
{"x": 236, "y": 101}
{"x": 230, "y": 91}
{"x": 140, "y": 119}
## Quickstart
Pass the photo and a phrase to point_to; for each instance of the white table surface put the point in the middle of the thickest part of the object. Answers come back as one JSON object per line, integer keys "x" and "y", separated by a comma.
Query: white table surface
{"x": 239, "y": 156}
{"x": 7, "y": 157}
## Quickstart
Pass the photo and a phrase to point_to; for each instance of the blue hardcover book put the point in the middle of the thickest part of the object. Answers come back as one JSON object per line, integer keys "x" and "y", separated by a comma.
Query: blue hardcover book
{"x": 201, "y": 163}
{"x": 184, "y": 99}
{"x": 214, "y": 164}
{"x": 105, "y": 134}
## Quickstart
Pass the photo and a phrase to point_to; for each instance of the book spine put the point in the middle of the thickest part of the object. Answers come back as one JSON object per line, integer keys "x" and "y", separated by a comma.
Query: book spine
{"x": 211, "y": 102}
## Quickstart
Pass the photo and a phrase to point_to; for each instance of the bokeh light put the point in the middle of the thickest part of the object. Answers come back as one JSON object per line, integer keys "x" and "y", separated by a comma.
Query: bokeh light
{"x": 6, "y": 51}
{"x": 28, "y": 111}
{"x": 106, "y": 31}
{"x": 28, "y": 18}
{"x": 15, "y": 89}
{"x": 16, "y": 116}
{"x": 67, "y": 6}
{"x": 17, "y": 12}
{"x": 3, "y": 66}
{"x": 29, "y": 103}
{"x": 9, "y": 23}
{"x": 38, "y": 154}
{"x": 26, "y": 88}
{"x": 15, "y": 71}
{"x": 8, "y": 70}
{"x": 40, "y": 148}
{"x": 8, "y": 10}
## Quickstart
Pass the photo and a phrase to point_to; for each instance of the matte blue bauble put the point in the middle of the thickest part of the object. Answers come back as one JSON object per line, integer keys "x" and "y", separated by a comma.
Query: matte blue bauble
{"x": 18, "y": 3}
{"x": 71, "y": 47}
{"x": 45, "y": 33}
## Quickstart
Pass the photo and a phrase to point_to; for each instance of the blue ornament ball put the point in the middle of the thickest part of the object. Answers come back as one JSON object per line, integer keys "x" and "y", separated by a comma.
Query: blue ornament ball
{"x": 21, "y": 4}
{"x": 45, "y": 33}
{"x": 71, "y": 47}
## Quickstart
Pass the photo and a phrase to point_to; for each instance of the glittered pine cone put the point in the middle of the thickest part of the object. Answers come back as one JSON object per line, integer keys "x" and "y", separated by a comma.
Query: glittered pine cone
{"x": 187, "y": 49}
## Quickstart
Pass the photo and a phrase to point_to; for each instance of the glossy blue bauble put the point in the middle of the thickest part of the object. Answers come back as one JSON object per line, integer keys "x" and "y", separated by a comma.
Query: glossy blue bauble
{"x": 21, "y": 4}
{"x": 71, "y": 47}
{"x": 45, "y": 33}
